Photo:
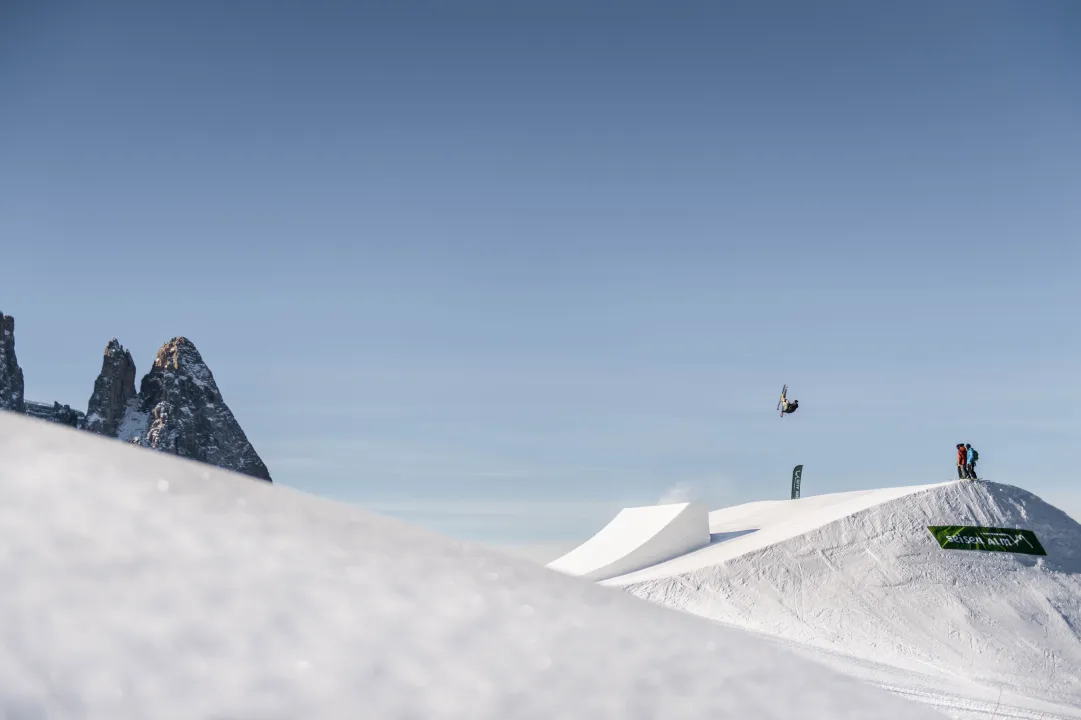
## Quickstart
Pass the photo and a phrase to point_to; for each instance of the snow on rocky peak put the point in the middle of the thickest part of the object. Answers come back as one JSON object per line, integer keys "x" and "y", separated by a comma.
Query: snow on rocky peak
{"x": 186, "y": 415}
{"x": 178, "y": 408}
{"x": 140, "y": 585}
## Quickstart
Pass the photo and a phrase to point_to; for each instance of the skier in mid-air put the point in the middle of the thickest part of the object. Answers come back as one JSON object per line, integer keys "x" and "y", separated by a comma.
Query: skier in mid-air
{"x": 786, "y": 407}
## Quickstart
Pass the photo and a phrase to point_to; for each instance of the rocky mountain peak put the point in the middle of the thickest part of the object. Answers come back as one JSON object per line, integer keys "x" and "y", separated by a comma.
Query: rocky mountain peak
{"x": 113, "y": 391}
{"x": 178, "y": 408}
{"x": 179, "y": 350}
{"x": 11, "y": 375}
{"x": 186, "y": 415}
{"x": 178, "y": 370}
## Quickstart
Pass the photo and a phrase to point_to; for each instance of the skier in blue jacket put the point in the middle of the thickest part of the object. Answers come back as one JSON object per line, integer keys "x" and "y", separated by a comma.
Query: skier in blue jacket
{"x": 970, "y": 461}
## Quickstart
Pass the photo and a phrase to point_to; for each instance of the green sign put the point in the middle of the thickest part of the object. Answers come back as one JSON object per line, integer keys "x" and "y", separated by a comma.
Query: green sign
{"x": 969, "y": 537}
{"x": 797, "y": 474}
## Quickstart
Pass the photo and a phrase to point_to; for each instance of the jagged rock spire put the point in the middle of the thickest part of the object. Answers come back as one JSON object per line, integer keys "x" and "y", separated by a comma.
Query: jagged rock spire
{"x": 113, "y": 391}
{"x": 178, "y": 408}
{"x": 11, "y": 375}
{"x": 186, "y": 414}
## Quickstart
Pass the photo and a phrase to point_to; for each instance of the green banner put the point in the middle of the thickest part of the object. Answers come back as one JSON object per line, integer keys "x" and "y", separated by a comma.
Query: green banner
{"x": 797, "y": 475}
{"x": 970, "y": 537}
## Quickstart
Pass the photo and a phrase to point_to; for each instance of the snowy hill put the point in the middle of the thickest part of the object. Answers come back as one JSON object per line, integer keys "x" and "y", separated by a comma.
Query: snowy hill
{"x": 859, "y": 576}
{"x": 139, "y": 584}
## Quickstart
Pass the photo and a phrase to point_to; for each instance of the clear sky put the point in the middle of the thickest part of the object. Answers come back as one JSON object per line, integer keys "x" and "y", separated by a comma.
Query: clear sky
{"x": 503, "y": 268}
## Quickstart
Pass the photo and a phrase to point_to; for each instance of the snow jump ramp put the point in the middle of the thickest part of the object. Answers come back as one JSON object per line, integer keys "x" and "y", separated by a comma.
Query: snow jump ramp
{"x": 637, "y": 538}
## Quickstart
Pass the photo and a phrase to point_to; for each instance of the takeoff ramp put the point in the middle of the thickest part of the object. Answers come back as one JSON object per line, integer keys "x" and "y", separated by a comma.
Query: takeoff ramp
{"x": 637, "y": 538}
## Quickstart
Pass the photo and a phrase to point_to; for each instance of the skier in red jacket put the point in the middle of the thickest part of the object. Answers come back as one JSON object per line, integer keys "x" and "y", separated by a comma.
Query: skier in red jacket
{"x": 962, "y": 461}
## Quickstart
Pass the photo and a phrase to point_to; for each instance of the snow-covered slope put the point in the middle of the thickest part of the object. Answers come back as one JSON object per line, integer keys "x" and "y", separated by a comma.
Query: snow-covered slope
{"x": 860, "y": 574}
{"x": 138, "y": 584}
{"x": 741, "y": 529}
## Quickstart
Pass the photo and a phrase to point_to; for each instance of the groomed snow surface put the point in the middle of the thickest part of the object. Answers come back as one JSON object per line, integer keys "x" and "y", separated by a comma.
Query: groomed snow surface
{"x": 856, "y": 581}
{"x": 637, "y": 538}
{"x": 141, "y": 585}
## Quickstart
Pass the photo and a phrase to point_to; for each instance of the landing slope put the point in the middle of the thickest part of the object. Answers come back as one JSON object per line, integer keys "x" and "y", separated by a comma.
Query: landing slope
{"x": 143, "y": 585}
{"x": 874, "y": 584}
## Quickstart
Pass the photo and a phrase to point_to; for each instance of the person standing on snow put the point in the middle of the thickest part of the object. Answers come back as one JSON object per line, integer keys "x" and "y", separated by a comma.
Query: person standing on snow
{"x": 962, "y": 462}
{"x": 971, "y": 456}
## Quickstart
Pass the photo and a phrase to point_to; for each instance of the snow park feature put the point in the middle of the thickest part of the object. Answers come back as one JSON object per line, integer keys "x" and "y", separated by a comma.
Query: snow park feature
{"x": 138, "y": 584}
{"x": 636, "y": 538}
{"x": 861, "y": 582}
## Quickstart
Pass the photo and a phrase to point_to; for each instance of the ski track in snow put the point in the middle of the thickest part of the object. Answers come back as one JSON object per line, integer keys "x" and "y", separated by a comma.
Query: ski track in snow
{"x": 953, "y": 695}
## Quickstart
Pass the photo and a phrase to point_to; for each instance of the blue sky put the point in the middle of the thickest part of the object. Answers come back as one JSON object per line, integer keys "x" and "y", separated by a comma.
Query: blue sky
{"x": 503, "y": 270}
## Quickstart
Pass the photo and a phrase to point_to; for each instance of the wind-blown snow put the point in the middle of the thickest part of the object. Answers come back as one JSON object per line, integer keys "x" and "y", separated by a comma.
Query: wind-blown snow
{"x": 142, "y": 585}
{"x": 859, "y": 575}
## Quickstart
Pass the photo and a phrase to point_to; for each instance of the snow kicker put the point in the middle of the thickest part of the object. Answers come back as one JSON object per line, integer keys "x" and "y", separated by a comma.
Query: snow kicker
{"x": 860, "y": 574}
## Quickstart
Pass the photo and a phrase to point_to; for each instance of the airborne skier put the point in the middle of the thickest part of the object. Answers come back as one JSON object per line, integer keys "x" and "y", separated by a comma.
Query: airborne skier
{"x": 786, "y": 407}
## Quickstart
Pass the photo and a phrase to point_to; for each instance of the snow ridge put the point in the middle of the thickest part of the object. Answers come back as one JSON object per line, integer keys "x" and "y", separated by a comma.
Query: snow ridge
{"x": 141, "y": 585}
{"x": 875, "y": 585}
